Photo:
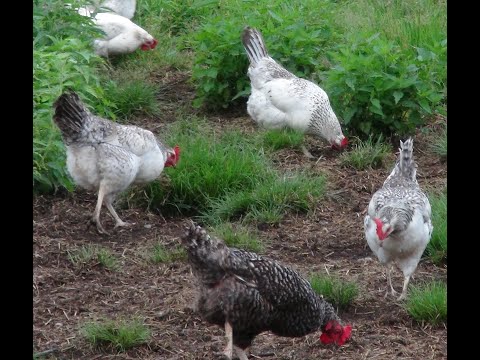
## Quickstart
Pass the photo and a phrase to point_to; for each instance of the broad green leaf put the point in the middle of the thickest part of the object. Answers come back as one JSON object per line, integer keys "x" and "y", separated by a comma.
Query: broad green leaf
{"x": 397, "y": 95}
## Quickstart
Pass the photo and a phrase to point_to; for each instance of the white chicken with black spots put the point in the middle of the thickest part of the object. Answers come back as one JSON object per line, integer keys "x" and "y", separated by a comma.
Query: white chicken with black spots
{"x": 280, "y": 99}
{"x": 398, "y": 223}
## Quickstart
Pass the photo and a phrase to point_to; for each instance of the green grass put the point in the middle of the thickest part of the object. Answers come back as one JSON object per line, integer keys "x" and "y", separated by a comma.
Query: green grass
{"x": 437, "y": 247}
{"x": 336, "y": 291}
{"x": 428, "y": 303}
{"x": 270, "y": 200}
{"x": 366, "y": 154}
{"x": 439, "y": 144}
{"x": 133, "y": 98}
{"x": 221, "y": 176}
{"x": 83, "y": 255}
{"x": 238, "y": 236}
{"x": 210, "y": 166}
{"x": 119, "y": 334}
{"x": 411, "y": 23}
{"x": 281, "y": 139}
{"x": 93, "y": 253}
{"x": 162, "y": 19}
{"x": 107, "y": 259}
{"x": 159, "y": 254}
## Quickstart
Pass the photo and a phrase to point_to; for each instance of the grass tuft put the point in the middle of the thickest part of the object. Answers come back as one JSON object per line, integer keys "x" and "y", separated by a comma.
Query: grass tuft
{"x": 119, "y": 334}
{"x": 238, "y": 236}
{"x": 336, "y": 291}
{"x": 281, "y": 139}
{"x": 89, "y": 253}
{"x": 428, "y": 303}
{"x": 161, "y": 255}
{"x": 366, "y": 154}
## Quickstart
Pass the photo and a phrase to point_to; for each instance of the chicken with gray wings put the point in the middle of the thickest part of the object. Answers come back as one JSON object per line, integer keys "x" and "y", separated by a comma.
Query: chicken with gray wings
{"x": 106, "y": 157}
{"x": 398, "y": 223}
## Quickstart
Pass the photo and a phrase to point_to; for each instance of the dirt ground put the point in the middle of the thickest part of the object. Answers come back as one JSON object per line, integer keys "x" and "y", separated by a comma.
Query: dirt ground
{"x": 331, "y": 240}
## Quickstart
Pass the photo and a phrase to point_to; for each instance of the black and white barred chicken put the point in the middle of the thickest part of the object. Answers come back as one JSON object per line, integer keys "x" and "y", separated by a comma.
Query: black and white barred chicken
{"x": 249, "y": 294}
{"x": 107, "y": 157}
{"x": 398, "y": 223}
{"x": 280, "y": 99}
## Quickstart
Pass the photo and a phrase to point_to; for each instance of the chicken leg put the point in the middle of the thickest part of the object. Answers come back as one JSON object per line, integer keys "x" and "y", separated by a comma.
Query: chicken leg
{"x": 389, "y": 280}
{"x": 118, "y": 221}
{"x": 98, "y": 208}
{"x": 306, "y": 152}
{"x": 228, "y": 352}
{"x": 240, "y": 353}
{"x": 403, "y": 295}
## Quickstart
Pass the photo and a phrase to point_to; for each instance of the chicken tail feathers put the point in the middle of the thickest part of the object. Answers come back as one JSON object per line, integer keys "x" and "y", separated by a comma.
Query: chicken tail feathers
{"x": 70, "y": 115}
{"x": 207, "y": 255}
{"x": 198, "y": 243}
{"x": 254, "y": 45}
{"x": 407, "y": 165}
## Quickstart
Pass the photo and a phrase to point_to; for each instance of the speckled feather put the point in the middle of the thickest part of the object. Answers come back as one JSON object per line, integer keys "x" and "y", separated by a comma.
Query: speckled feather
{"x": 101, "y": 150}
{"x": 252, "y": 292}
{"x": 281, "y": 99}
{"x": 401, "y": 188}
{"x": 402, "y": 209}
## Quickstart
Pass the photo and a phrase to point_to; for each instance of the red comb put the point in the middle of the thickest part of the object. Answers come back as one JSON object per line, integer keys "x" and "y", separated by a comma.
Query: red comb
{"x": 329, "y": 337}
{"x": 344, "y": 142}
{"x": 155, "y": 42}
{"x": 380, "y": 233}
{"x": 347, "y": 332}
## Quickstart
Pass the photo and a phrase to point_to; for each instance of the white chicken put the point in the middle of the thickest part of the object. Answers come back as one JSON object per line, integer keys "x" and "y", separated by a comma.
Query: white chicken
{"x": 281, "y": 99}
{"x": 398, "y": 223}
{"x": 107, "y": 157}
{"x": 122, "y": 36}
{"x": 125, "y": 8}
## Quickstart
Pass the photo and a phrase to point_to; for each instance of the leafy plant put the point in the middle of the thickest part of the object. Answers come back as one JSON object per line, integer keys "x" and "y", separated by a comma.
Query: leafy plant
{"x": 220, "y": 64}
{"x": 380, "y": 88}
{"x": 62, "y": 58}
